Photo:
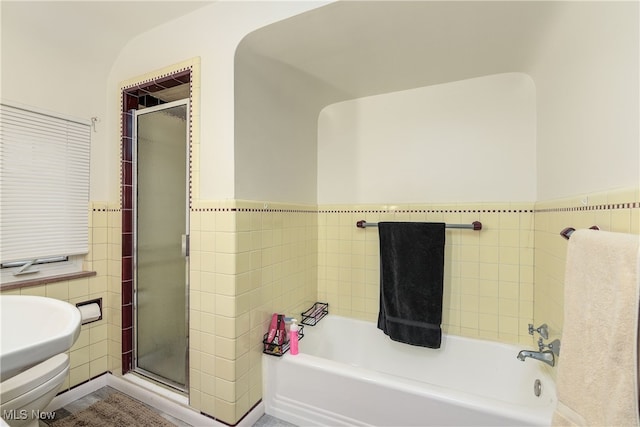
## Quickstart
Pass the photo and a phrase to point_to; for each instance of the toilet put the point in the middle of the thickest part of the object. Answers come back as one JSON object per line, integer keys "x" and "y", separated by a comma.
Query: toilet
{"x": 24, "y": 396}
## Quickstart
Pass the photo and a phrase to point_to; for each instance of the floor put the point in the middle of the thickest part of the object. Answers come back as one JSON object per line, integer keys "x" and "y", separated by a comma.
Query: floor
{"x": 90, "y": 399}
{"x": 94, "y": 397}
{"x": 269, "y": 421}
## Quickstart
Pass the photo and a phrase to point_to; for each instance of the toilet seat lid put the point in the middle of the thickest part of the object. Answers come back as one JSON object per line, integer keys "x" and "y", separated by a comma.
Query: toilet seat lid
{"x": 33, "y": 377}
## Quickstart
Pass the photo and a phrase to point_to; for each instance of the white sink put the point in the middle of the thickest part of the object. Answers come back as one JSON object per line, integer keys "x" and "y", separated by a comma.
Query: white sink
{"x": 34, "y": 329}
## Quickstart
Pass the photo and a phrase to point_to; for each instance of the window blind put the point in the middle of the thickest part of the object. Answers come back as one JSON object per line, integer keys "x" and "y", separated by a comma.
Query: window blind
{"x": 44, "y": 185}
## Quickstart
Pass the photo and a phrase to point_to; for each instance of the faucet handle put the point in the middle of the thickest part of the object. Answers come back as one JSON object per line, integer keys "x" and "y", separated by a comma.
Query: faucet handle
{"x": 554, "y": 346}
{"x": 543, "y": 330}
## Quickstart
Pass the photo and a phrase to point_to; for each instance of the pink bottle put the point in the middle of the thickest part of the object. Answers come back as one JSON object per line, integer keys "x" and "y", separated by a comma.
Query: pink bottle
{"x": 293, "y": 337}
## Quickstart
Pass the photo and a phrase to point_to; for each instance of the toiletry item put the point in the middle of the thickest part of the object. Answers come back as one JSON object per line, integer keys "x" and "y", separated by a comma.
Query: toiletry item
{"x": 293, "y": 337}
{"x": 273, "y": 328}
{"x": 277, "y": 332}
{"x": 281, "y": 333}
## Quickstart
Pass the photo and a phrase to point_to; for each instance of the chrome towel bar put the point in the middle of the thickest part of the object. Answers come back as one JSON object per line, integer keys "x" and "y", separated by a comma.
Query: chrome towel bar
{"x": 475, "y": 225}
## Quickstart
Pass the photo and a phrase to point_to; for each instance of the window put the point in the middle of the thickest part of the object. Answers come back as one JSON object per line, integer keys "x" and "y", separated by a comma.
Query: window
{"x": 44, "y": 193}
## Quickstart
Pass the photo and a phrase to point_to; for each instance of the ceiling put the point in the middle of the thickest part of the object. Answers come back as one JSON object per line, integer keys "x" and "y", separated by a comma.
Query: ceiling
{"x": 359, "y": 48}
{"x": 92, "y": 28}
{"x": 369, "y": 47}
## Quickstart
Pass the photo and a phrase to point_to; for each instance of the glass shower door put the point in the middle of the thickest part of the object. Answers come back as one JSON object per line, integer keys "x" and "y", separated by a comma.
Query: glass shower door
{"x": 161, "y": 261}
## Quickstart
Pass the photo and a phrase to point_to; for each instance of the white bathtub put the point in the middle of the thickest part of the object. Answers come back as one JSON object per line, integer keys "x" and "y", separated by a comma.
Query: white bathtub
{"x": 349, "y": 373}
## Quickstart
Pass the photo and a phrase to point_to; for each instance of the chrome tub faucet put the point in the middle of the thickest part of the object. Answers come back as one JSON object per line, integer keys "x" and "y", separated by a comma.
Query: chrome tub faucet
{"x": 546, "y": 356}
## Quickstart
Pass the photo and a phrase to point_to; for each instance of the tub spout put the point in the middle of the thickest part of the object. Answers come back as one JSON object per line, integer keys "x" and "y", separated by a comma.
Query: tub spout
{"x": 543, "y": 356}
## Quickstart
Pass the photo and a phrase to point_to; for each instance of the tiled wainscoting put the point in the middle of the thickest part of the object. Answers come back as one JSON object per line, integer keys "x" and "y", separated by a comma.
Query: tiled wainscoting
{"x": 488, "y": 290}
{"x": 250, "y": 259}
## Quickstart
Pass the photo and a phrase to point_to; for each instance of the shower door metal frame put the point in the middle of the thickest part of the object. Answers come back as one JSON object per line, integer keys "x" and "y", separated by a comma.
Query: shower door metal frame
{"x": 185, "y": 244}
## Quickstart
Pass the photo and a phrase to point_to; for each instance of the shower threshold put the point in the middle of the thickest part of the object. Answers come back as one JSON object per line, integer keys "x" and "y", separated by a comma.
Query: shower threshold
{"x": 155, "y": 380}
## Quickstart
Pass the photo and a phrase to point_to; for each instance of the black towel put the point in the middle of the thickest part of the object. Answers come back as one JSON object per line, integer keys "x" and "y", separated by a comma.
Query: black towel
{"x": 411, "y": 278}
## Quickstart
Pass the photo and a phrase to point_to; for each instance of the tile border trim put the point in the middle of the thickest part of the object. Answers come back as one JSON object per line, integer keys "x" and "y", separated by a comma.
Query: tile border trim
{"x": 426, "y": 211}
{"x": 608, "y": 206}
{"x": 601, "y": 207}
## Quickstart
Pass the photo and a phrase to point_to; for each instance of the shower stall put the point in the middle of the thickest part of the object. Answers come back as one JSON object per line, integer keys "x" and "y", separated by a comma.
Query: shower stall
{"x": 161, "y": 224}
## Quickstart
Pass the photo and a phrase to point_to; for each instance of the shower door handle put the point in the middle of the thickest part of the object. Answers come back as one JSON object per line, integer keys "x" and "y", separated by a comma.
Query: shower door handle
{"x": 185, "y": 245}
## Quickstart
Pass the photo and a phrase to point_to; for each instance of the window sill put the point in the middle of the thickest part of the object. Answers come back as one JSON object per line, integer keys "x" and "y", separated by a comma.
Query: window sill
{"x": 47, "y": 280}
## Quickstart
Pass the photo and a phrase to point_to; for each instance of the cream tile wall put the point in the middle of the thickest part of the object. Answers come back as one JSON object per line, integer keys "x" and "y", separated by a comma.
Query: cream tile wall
{"x": 617, "y": 211}
{"x": 248, "y": 260}
{"x": 488, "y": 286}
{"x": 89, "y": 356}
{"x": 251, "y": 259}
{"x": 114, "y": 288}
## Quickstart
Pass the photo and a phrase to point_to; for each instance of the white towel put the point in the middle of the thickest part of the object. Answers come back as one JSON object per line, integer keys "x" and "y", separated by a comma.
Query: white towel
{"x": 597, "y": 379}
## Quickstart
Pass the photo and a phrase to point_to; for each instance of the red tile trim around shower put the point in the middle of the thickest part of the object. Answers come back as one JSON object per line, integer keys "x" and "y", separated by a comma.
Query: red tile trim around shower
{"x": 130, "y": 96}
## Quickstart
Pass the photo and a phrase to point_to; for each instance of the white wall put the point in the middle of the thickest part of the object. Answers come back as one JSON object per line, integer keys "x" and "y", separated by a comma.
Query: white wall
{"x": 276, "y": 122}
{"x": 212, "y": 33}
{"x": 68, "y": 80}
{"x": 584, "y": 65}
{"x": 472, "y": 140}
{"x": 583, "y": 60}
{"x": 586, "y": 73}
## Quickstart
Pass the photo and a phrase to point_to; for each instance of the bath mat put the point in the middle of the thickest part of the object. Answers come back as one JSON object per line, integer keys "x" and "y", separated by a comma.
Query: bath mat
{"x": 116, "y": 409}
